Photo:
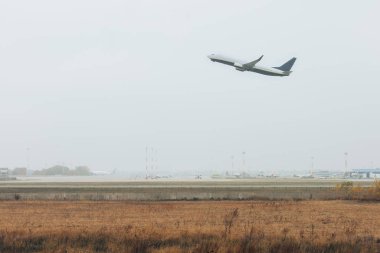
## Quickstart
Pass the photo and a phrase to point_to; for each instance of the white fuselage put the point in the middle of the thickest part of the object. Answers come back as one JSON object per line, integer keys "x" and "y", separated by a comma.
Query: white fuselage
{"x": 239, "y": 65}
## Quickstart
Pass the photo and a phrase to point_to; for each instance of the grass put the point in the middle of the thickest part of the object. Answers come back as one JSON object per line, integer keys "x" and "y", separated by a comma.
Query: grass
{"x": 104, "y": 242}
{"x": 357, "y": 192}
{"x": 200, "y": 226}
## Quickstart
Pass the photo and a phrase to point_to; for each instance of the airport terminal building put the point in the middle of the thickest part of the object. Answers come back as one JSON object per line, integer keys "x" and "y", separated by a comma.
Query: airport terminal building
{"x": 365, "y": 173}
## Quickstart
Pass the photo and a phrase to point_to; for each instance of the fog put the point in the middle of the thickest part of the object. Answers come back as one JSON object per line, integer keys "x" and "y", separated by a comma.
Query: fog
{"x": 95, "y": 82}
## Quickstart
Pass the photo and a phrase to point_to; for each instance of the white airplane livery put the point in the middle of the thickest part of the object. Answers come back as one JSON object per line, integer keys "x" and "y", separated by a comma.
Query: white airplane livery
{"x": 283, "y": 70}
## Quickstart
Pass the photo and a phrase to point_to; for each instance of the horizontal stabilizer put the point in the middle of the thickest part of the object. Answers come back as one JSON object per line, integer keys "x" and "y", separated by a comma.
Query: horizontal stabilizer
{"x": 253, "y": 63}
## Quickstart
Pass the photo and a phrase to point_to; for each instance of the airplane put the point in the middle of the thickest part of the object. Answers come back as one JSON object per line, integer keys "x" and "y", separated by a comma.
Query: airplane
{"x": 102, "y": 173}
{"x": 283, "y": 70}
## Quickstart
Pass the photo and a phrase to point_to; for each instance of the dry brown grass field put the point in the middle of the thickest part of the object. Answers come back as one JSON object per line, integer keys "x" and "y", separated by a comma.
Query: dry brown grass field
{"x": 189, "y": 226}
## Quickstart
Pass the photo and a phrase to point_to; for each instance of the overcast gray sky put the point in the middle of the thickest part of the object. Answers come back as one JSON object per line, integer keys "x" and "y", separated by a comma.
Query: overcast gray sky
{"x": 94, "y": 82}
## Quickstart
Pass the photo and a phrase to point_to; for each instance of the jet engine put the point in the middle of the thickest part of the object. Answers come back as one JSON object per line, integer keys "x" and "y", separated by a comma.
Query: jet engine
{"x": 239, "y": 67}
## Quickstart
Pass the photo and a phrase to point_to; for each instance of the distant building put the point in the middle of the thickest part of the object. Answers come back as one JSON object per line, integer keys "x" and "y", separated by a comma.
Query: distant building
{"x": 4, "y": 172}
{"x": 4, "y": 175}
{"x": 21, "y": 171}
{"x": 365, "y": 173}
{"x": 328, "y": 174}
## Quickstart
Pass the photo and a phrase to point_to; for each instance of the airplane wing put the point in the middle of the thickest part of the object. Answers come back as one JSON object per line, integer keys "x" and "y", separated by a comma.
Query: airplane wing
{"x": 253, "y": 63}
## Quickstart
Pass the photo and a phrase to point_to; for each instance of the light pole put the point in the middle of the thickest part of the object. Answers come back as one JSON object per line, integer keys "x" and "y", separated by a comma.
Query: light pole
{"x": 345, "y": 163}
{"x": 146, "y": 162}
{"x": 243, "y": 161}
{"x": 152, "y": 160}
{"x": 312, "y": 166}
{"x": 232, "y": 164}
{"x": 28, "y": 158}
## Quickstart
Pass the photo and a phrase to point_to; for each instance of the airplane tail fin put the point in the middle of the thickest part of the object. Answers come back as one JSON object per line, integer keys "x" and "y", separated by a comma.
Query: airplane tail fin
{"x": 288, "y": 65}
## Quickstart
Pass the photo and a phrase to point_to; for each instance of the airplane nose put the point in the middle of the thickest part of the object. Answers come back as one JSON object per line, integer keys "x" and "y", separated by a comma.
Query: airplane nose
{"x": 211, "y": 56}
